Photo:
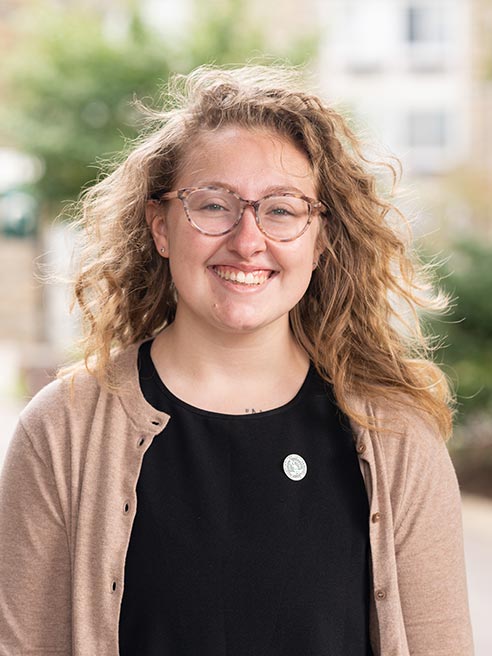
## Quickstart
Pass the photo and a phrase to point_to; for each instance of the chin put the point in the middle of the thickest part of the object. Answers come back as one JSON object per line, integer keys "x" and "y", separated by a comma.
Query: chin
{"x": 240, "y": 321}
{"x": 240, "y": 327}
{"x": 245, "y": 323}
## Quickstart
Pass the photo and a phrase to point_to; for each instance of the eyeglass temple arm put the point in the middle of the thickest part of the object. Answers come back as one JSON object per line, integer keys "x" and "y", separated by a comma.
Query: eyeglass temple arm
{"x": 168, "y": 195}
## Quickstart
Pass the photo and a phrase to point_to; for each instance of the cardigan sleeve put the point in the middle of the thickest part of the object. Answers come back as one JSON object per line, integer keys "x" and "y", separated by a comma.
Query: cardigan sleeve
{"x": 35, "y": 598}
{"x": 429, "y": 552}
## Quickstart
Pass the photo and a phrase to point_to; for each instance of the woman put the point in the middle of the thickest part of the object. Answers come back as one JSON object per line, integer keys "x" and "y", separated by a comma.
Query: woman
{"x": 252, "y": 460}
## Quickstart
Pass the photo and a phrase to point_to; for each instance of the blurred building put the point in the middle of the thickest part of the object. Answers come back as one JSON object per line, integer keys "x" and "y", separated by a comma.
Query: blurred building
{"x": 481, "y": 47}
{"x": 404, "y": 68}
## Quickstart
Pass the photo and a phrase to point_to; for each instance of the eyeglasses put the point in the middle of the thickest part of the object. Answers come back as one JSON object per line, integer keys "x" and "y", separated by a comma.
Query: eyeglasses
{"x": 216, "y": 211}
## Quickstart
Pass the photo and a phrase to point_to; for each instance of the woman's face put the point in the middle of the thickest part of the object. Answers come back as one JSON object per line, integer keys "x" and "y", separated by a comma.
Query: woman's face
{"x": 252, "y": 164}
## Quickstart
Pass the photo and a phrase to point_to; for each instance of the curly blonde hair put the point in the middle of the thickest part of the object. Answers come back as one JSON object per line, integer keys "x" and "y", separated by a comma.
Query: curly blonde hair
{"x": 358, "y": 320}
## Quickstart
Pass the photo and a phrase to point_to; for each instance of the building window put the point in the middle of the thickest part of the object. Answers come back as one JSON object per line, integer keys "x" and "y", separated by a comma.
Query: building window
{"x": 425, "y": 24}
{"x": 427, "y": 129}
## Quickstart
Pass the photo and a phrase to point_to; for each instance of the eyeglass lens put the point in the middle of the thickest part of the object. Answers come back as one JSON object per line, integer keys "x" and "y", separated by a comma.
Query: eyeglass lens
{"x": 215, "y": 211}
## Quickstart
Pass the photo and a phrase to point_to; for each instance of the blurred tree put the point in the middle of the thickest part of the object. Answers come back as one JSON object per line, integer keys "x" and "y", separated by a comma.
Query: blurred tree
{"x": 69, "y": 92}
{"x": 69, "y": 84}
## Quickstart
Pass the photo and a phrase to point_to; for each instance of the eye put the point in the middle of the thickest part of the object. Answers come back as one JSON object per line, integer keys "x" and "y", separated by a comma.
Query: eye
{"x": 214, "y": 207}
{"x": 280, "y": 211}
{"x": 211, "y": 201}
{"x": 283, "y": 207}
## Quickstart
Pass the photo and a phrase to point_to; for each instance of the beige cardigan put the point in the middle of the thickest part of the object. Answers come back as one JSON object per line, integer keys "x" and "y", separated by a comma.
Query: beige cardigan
{"x": 68, "y": 499}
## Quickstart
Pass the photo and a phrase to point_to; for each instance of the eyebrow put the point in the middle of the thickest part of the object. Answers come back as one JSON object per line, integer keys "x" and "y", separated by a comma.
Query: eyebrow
{"x": 269, "y": 190}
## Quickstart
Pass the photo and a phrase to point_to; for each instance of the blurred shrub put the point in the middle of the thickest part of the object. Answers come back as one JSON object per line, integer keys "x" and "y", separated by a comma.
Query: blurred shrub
{"x": 467, "y": 277}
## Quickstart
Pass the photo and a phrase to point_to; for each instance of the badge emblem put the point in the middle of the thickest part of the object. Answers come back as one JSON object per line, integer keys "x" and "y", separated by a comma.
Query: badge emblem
{"x": 295, "y": 467}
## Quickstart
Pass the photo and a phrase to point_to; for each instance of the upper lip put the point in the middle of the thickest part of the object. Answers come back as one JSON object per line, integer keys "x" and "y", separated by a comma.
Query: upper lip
{"x": 247, "y": 268}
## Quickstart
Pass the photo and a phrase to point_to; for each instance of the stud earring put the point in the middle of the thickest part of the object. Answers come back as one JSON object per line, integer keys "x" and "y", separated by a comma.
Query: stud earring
{"x": 163, "y": 250}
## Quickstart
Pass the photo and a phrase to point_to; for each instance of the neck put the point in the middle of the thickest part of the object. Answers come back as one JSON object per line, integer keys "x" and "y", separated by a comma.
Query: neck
{"x": 199, "y": 352}
{"x": 230, "y": 372}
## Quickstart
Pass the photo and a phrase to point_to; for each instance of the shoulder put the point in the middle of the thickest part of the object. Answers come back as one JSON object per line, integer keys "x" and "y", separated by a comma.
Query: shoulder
{"x": 76, "y": 406}
{"x": 409, "y": 440}
{"x": 77, "y": 399}
{"x": 398, "y": 425}
{"x": 58, "y": 412}
{"x": 404, "y": 444}
{"x": 409, "y": 458}
{"x": 71, "y": 393}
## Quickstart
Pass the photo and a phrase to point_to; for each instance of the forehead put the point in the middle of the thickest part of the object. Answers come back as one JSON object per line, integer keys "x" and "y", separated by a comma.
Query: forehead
{"x": 239, "y": 156}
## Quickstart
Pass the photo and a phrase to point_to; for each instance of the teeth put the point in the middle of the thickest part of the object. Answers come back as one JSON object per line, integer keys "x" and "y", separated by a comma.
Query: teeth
{"x": 250, "y": 278}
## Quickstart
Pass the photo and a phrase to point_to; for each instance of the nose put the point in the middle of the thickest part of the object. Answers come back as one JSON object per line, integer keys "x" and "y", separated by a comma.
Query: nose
{"x": 247, "y": 239}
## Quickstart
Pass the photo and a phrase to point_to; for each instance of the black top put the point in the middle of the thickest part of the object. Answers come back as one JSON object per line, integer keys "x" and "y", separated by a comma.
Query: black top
{"x": 230, "y": 555}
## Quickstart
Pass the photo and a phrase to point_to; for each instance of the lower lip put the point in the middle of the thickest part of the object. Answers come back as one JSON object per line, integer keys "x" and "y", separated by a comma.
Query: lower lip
{"x": 240, "y": 287}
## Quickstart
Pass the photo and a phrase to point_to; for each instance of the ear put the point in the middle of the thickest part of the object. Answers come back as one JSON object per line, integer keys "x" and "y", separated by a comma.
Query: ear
{"x": 156, "y": 218}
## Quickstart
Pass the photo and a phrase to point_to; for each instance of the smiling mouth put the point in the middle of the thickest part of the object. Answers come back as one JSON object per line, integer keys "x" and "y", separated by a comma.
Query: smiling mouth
{"x": 249, "y": 278}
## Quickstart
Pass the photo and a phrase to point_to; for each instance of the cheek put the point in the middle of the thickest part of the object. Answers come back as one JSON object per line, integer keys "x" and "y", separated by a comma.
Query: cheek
{"x": 297, "y": 272}
{"x": 301, "y": 254}
{"x": 189, "y": 254}
{"x": 305, "y": 258}
{"x": 185, "y": 243}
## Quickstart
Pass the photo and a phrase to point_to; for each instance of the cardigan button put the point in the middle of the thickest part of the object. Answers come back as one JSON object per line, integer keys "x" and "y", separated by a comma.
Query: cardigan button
{"x": 376, "y": 517}
{"x": 361, "y": 447}
{"x": 380, "y": 594}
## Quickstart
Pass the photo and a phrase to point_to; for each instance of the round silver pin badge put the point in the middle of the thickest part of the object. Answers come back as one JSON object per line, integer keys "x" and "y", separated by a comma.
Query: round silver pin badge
{"x": 295, "y": 467}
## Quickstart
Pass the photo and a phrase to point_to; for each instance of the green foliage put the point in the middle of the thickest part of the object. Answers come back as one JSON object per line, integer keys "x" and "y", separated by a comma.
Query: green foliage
{"x": 467, "y": 276}
{"x": 235, "y": 38}
{"x": 69, "y": 84}
{"x": 70, "y": 92}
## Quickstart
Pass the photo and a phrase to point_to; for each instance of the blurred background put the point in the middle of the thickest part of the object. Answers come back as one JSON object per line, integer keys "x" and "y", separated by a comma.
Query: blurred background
{"x": 414, "y": 76}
